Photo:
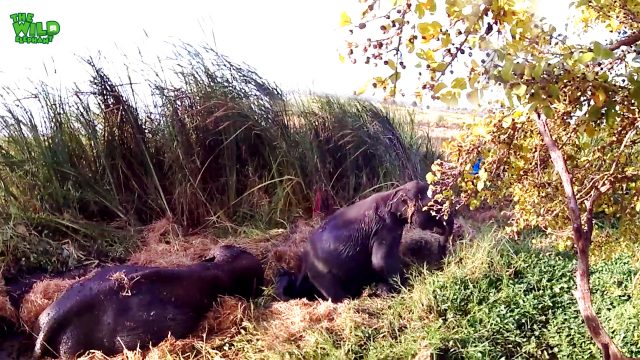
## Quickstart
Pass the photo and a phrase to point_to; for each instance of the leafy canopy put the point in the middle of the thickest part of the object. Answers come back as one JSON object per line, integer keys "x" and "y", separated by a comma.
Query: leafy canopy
{"x": 588, "y": 91}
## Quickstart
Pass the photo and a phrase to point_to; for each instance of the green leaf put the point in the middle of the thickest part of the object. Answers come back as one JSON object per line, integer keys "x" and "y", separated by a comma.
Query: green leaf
{"x": 610, "y": 115}
{"x": 585, "y": 57}
{"x": 548, "y": 112}
{"x": 507, "y": 69}
{"x": 537, "y": 72}
{"x": 594, "y": 112}
{"x": 635, "y": 93}
{"x": 519, "y": 90}
{"x": 391, "y": 64}
{"x": 554, "y": 91}
{"x": 601, "y": 52}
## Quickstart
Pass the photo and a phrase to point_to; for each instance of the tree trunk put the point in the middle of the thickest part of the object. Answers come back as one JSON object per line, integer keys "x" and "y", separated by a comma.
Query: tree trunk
{"x": 582, "y": 242}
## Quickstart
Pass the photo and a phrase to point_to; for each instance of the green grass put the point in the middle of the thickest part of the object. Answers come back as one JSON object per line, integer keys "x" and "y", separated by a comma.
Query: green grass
{"x": 493, "y": 300}
{"x": 203, "y": 141}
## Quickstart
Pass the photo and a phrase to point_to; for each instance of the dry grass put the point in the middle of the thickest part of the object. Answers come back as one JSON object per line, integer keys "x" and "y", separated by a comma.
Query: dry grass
{"x": 294, "y": 322}
{"x": 39, "y": 298}
{"x": 6, "y": 310}
{"x": 272, "y": 328}
{"x": 163, "y": 244}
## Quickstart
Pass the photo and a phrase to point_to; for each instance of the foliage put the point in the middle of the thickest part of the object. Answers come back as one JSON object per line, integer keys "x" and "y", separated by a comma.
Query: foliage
{"x": 494, "y": 299}
{"x": 589, "y": 94}
{"x": 212, "y": 143}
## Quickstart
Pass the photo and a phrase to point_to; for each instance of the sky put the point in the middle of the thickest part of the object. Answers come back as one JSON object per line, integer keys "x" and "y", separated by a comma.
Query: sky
{"x": 291, "y": 42}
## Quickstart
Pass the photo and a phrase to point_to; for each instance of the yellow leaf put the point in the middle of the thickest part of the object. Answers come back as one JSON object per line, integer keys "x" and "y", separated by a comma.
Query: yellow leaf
{"x": 391, "y": 64}
{"x": 341, "y": 57}
{"x": 483, "y": 174}
{"x": 426, "y": 55}
{"x": 585, "y": 57}
{"x": 590, "y": 130}
{"x": 473, "y": 41}
{"x": 430, "y": 178}
{"x": 420, "y": 10}
{"x": 638, "y": 206}
{"x": 439, "y": 87}
{"x": 440, "y": 67}
{"x": 431, "y": 5}
{"x": 418, "y": 95}
{"x": 410, "y": 46}
{"x": 429, "y": 30}
{"x": 345, "y": 19}
{"x": 473, "y": 97}
{"x": 480, "y": 185}
{"x": 362, "y": 90}
{"x": 480, "y": 131}
{"x": 473, "y": 79}
{"x": 459, "y": 83}
{"x": 446, "y": 40}
{"x": 599, "y": 97}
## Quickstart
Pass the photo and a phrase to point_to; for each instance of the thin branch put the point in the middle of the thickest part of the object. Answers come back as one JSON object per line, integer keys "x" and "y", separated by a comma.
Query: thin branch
{"x": 484, "y": 13}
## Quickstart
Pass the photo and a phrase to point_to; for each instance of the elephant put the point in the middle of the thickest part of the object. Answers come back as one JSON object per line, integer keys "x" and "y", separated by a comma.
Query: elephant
{"x": 359, "y": 245}
{"x": 129, "y": 306}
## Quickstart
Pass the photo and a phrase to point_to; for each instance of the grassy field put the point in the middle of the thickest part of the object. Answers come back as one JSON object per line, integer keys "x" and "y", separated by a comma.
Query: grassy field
{"x": 220, "y": 155}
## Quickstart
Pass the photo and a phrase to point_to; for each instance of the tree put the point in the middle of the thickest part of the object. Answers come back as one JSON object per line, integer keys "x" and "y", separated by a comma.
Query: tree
{"x": 568, "y": 109}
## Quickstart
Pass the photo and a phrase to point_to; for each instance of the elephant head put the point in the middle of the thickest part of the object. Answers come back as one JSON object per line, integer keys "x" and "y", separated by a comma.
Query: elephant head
{"x": 408, "y": 202}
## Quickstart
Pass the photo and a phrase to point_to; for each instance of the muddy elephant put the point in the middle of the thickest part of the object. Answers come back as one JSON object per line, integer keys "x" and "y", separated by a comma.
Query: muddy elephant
{"x": 359, "y": 245}
{"x": 129, "y": 306}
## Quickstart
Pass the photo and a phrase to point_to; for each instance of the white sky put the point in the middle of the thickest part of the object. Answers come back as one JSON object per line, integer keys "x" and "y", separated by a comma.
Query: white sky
{"x": 291, "y": 42}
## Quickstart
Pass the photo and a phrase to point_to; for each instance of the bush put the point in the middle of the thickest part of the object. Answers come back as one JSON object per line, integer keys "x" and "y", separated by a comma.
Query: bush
{"x": 524, "y": 308}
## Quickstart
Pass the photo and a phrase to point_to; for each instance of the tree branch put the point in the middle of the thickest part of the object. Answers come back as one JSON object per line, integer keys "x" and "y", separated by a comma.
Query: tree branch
{"x": 582, "y": 243}
{"x": 627, "y": 41}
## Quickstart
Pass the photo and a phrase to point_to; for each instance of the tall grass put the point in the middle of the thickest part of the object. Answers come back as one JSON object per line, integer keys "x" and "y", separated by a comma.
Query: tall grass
{"x": 213, "y": 143}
